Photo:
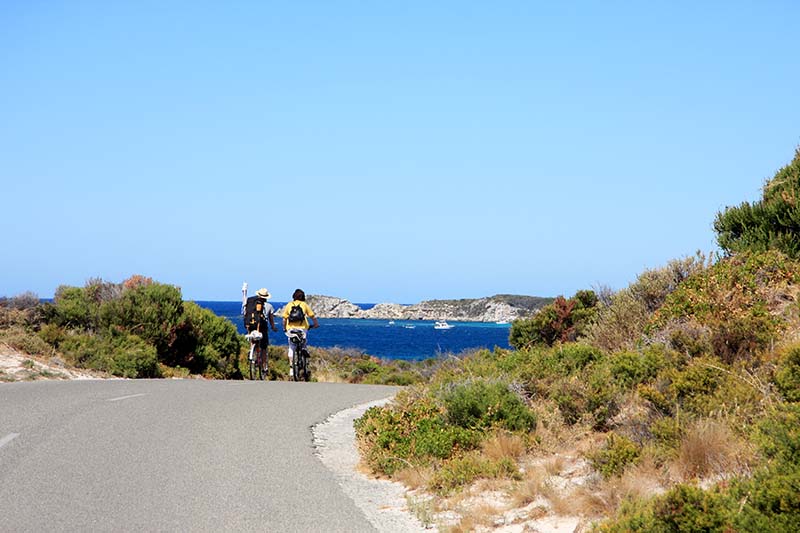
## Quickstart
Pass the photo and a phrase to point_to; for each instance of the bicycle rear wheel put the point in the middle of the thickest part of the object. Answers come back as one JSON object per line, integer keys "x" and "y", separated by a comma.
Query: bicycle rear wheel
{"x": 306, "y": 367}
{"x": 251, "y": 358}
{"x": 262, "y": 364}
{"x": 296, "y": 364}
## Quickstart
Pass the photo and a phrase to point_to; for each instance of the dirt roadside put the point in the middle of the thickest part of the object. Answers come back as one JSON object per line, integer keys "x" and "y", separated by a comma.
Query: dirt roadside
{"x": 16, "y": 366}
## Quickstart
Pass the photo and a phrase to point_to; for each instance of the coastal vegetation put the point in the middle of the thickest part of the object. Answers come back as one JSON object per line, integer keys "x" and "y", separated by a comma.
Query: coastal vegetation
{"x": 670, "y": 405}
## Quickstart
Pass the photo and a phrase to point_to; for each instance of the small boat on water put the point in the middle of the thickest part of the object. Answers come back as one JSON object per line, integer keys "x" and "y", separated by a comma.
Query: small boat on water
{"x": 441, "y": 324}
{"x": 502, "y": 322}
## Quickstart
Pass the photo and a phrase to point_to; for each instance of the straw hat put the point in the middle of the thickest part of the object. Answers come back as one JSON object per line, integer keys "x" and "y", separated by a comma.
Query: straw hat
{"x": 263, "y": 293}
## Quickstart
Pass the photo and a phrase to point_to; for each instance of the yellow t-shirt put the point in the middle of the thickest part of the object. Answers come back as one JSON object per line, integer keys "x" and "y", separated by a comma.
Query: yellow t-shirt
{"x": 306, "y": 310}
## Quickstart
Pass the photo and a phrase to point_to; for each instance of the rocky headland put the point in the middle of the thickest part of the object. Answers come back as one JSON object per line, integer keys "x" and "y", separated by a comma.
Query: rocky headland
{"x": 498, "y": 308}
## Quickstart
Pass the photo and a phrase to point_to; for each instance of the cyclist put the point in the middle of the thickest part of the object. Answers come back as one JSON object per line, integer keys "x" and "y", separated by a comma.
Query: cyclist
{"x": 294, "y": 320}
{"x": 257, "y": 313}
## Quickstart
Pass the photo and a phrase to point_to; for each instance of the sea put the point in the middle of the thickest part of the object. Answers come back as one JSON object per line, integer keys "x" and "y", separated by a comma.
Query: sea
{"x": 411, "y": 340}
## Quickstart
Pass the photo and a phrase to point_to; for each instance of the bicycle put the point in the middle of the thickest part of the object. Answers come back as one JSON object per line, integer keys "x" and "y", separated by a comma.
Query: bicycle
{"x": 257, "y": 358}
{"x": 300, "y": 369}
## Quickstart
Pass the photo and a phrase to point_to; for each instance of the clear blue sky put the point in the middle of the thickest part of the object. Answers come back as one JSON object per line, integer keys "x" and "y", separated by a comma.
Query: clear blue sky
{"x": 383, "y": 151}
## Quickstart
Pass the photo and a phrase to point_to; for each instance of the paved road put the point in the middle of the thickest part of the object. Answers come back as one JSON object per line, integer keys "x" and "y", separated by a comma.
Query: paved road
{"x": 171, "y": 455}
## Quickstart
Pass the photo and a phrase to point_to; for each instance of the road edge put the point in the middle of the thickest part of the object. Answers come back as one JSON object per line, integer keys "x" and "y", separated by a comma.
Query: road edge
{"x": 383, "y": 502}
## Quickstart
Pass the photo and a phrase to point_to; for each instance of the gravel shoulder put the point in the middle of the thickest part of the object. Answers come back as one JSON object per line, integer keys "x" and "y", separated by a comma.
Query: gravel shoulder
{"x": 383, "y": 502}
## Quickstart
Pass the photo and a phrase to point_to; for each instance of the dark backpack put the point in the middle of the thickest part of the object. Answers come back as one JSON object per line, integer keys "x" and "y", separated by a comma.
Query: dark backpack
{"x": 296, "y": 314}
{"x": 253, "y": 312}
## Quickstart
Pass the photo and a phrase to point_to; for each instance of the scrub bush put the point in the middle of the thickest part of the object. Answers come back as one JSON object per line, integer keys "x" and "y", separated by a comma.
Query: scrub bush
{"x": 117, "y": 353}
{"x": 412, "y": 435}
{"x": 621, "y": 323}
{"x": 738, "y": 300}
{"x": 772, "y": 223}
{"x": 461, "y": 471}
{"x": 787, "y": 376}
{"x": 564, "y": 320}
{"x": 481, "y": 405}
{"x": 618, "y": 452}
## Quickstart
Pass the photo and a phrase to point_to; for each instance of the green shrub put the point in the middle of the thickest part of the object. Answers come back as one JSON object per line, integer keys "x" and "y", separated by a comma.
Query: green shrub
{"x": 73, "y": 309}
{"x": 687, "y": 508}
{"x": 787, "y": 377}
{"x": 117, "y": 353}
{"x": 575, "y": 356}
{"x": 461, "y": 471}
{"x": 414, "y": 434}
{"x": 770, "y": 497}
{"x": 618, "y": 453}
{"x": 481, "y": 404}
{"x": 218, "y": 341}
{"x": 770, "y": 223}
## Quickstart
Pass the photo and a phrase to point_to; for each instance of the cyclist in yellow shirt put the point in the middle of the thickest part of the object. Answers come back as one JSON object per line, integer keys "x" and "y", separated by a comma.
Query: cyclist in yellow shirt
{"x": 295, "y": 317}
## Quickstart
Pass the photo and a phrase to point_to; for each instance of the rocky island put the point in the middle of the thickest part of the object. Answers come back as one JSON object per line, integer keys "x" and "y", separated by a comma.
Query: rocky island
{"x": 498, "y": 308}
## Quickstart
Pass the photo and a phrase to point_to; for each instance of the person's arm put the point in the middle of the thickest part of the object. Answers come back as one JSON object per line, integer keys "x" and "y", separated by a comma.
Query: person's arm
{"x": 272, "y": 321}
{"x": 314, "y": 320}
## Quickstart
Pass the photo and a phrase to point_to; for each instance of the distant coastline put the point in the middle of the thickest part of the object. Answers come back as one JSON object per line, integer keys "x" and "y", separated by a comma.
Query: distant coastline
{"x": 497, "y": 308}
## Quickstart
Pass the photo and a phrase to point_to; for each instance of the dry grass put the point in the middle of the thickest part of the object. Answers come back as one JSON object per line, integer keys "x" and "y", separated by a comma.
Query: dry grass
{"x": 504, "y": 446}
{"x": 601, "y": 498}
{"x": 555, "y": 465}
{"x": 561, "y": 502}
{"x": 480, "y": 516}
{"x": 529, "y": 489}
{"x": 414, "y": 477}
{"x": 709, "y": 448}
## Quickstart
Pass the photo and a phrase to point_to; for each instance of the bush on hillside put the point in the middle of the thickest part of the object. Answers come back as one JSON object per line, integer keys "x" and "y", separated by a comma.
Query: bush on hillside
{"x": 740, "y": 301}
{"x": 483, "y": 405}
{"x": 564, "y": 320}
{"x": 117, "y": 353}
{"x": 182, "y": 334}
{"x": 772, "y": 223}
{"x": 621, "y": 323}
{"x": 787, "y": 376}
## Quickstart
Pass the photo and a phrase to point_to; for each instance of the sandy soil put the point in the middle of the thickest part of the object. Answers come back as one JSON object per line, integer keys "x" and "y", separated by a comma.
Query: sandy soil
{"x": 15, "y": 366}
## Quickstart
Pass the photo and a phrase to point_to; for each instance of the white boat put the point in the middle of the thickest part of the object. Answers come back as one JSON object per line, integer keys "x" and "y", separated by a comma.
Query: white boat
{"x": 441, "y": 324}
{"x": 502, "y": 322}
{"x": 391, "y": 322}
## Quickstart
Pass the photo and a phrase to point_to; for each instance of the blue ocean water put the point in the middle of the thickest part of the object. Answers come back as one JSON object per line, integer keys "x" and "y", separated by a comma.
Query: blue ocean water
{"x": 411, "y": 340}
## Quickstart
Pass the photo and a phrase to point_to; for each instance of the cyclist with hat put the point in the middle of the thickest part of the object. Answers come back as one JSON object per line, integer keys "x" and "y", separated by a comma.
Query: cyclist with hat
{"x": 258, "y": 312}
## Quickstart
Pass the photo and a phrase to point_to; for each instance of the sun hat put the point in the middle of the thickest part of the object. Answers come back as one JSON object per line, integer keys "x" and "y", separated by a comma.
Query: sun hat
{"x": 263, "y": 293}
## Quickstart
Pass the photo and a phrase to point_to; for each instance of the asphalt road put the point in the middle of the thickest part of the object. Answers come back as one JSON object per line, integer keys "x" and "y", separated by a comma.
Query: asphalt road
{"x": 171, "y": 455}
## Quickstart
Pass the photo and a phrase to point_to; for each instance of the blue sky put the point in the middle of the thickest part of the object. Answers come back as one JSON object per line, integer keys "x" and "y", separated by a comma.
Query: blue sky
{"x": 383, "y": 151}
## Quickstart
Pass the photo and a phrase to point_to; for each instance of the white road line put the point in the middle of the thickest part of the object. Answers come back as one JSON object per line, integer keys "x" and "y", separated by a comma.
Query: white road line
{"x": 8, "y": 438}
{"x": 126, "y": 397}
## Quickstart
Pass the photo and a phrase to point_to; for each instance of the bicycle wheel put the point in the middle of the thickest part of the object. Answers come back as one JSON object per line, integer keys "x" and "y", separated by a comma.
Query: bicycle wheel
{"x": 263, "y": 365}
{"x": 306, "y": 367}
{"x": 296, "y": 365}
{"x": 251, "y": 358}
